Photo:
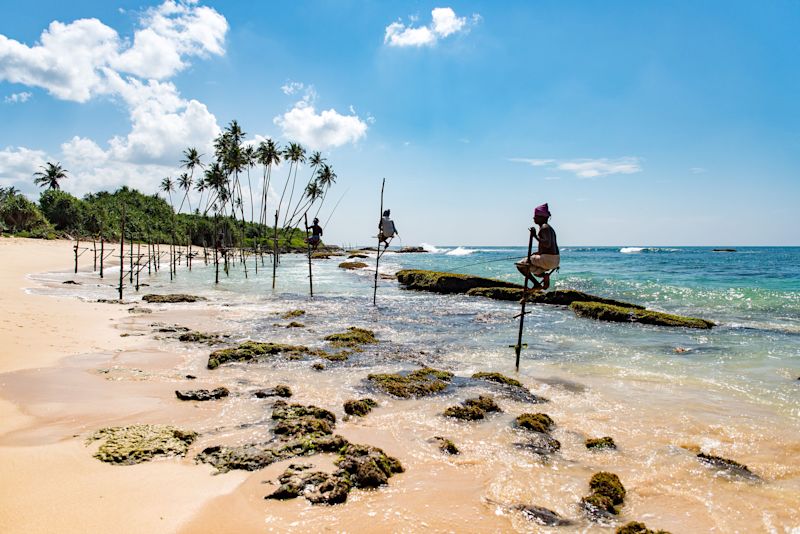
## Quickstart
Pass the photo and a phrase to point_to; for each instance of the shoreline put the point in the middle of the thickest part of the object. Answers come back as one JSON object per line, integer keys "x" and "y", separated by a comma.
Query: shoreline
{"x": 65, "y": 395}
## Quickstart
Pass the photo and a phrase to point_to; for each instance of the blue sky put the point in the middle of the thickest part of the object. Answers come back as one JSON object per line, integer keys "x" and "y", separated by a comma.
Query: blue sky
{"x": 639, "y": 122}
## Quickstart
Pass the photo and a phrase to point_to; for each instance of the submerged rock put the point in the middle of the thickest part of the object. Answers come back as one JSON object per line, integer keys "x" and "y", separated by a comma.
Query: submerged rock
{"x": 318, "y": 366}
{"x": 250, "y": 351}
{"x": 446, "y": 446}
{"x": 360, "y": 407}
{"x": 605, "y": 442}
{"x": 358, "y": 256}
{"x": 318, "y": 487}
{"x": 293, "y": 314}
{"x": 598, "y": 507}
{"x": 541, "y": 444}
{"x": 635, "y": 527}
{"x": 543, "y": 516}
{"x": 278, "y": 391}
{"x": 498, "y": 378}
{"x": 608, "y": 312}
{"x": 728, "y": 466}
{"x": 296, "y": 420}
{"x": 353, "y": 265}
{"x": 354, "y": 337}
{"x": 171, "y": 299}
{"x": 202, "y": 394}
{"x": 473, "y": 409}
{"x": 419, "y": 383}
{"x": 537, "y": 422}
{"x": 129, "y": 445}
{"x": 202, "y": 337}
{"x": 558, "y": 297}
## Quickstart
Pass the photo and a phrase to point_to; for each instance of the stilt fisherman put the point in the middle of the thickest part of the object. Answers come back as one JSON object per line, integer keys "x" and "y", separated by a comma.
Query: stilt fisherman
{"x": 546, "y": 259}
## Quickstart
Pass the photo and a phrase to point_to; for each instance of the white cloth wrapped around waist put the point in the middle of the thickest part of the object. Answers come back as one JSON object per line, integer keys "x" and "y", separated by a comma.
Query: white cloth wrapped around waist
{"x": 539, "y": 263}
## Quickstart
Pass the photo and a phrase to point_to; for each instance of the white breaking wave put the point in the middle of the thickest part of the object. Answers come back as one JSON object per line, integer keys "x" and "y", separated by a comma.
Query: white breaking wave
{"x": 637, "y": 250}
{"x": 459, "y": 251}
{"x": 430, "y": 248}
{"x": 631, "y": 250}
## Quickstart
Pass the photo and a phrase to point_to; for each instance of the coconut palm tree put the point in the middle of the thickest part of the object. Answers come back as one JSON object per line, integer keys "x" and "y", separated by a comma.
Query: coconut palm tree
{"x": 191, "y": 159}
{"x": 268, "y": 154}
{"x": 296, "y": 155}
{"x": 249, "y": 160}
{"x": 185, "y": 183}
{"x": 168, "y": 186}
{"x": 326, "y": 178}
{"x": 50, "y": 175}
{"x": 314, "y": 162}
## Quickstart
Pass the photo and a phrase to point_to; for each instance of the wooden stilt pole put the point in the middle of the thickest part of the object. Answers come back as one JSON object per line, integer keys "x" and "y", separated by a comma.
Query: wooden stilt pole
{"x": 518, "y": 346}
{"x": 102, "y": 252}
{"x": 308, "y": 242}
{"x": 131, "y": 271}
{"x": 77, "y": 244}
{"x": 275, "y": 251}
{"x": 122, "y": 254}
{"x": 138, "y": 263}
{"x": 94, "y": 249}
{"x": 378, "y": 255}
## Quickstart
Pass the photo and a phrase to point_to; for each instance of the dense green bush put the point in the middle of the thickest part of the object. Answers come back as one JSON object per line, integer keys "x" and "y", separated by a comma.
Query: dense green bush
{"x": 20, "y": 215}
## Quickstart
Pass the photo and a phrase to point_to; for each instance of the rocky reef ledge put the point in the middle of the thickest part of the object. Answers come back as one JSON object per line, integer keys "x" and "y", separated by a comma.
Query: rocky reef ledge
{"x": 583, "y": 304}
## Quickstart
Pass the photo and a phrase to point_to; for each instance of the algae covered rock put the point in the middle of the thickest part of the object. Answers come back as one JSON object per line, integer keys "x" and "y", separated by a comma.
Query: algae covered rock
{"x": 635, "y": 527}
{"x": 354, "y": 337}
{"x": 558, "y": 297}
{"x": 280, "y": 390}
{"x": 608, "y": 484}
{"x": 598, "y": 507}
{"x": 727, "y": 466}
{"x": 360, "y": 407}
{"x": 202, "y": 337}
{"x": 620, "y": 314}
{"x": 540, "y": 443}
{"x": 292, "y": 314}
{"x": 317, "y": 487}
{"x": 446, "y": 446}
{"x": 498, "y": 378}
{"x": 352, "y": 265}
{"x": 202, "y": 394}
{"x": 439, "y": 282}
{"x": 537, "y": 422}
{"x": 171, "y": 299}
{"x": 473, "y": 409}
{"x": 129, "y": 445}
{"x": 251, "y": 351}
{"x": 367, "y": 467}
{"x": 419, "y": 383}
{"x": 605, "y": 442}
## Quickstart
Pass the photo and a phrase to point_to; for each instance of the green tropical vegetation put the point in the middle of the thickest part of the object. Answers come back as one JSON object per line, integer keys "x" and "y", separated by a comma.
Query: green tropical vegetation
{"x": 222, "y": 205}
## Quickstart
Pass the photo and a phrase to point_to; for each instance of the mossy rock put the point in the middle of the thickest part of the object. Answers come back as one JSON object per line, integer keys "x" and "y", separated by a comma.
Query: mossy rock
{"x": 357, "y": 256}
{"x": 446, "y": 446}
{"x": 366, "y": 466}
{"x": 171, "y": 299}
{"x": 202, "y": 337}
{"x": 619, "y": 314}
{"x": 598, "y": 507}
{"x": 559, "y": 297}
{"x": 726, "y": 465}
{"x": 352, "y": 265}
{"x": 540, "y": 443}
{"x": 293, "y": 314}
{"x": 317, "y": 487}
{"x": 439, "y": 282}
{"x": 360, "y": 407}
{"x": 419, "y": 383}
{"x": 537, "y": 422}
{"x": 341, "y": 356}
{"x": 202, "y": 394}
{"x": 636, "y": 527}
{"x": 354, "y": 337}
{"x": 251, "y": 351}
{"x": 483, "y": 402}
{"x": 606, "y": 442}
{"x": 281, "y": 390}
{"x": 318, "y": 366}
{"x": 498, "y": 378}
{"x": 608, "y": 485}
{"x": 282, "y": 411}
{"x": 465, "y": 413}
{"x": 129, "y": 445}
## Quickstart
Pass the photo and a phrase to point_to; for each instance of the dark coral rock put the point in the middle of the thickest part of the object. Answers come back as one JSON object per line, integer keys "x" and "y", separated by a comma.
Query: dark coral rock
{"x": 360, "y": 407}
{"x": 281, "y": 410}
{"x": 541, "y": 444}
{"x": 202, "y": 337}
{"x": 316, "y": 486}
{"x": 318, "y": 367}
{"x": 465, "y": 413}
{"x": 353, "y": 265}
{"x": 202, "y": 394}
{"x": 498, "y": 378}
{"x": 367, "y": 467}
{"x": 598, "y": 507}
{"x": 419, "y": 383}
{"x": 620, "y": 314}
{"x": 543, "y": 516}
{"x": 635, "y": 527}
{"x": 446, "y": 446}
{"x": 559, "y": 297}
{"x": 278, "y": 391}
{"x": 538, "y": 422}
{"x": 293, "y": 314}
{"x": 484, "y": 403}
{"x": 605, "y": 442}
{"x": 728, "y": 466}
{"x": 446, "y": 282}
{"x": 171, "y": 299}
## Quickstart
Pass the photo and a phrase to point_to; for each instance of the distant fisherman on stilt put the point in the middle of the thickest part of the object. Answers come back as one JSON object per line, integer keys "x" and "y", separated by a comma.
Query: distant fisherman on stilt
{"x": 386, "y": 229}
{"x": 316, "y": 234}
{"x": 546, "y": 259}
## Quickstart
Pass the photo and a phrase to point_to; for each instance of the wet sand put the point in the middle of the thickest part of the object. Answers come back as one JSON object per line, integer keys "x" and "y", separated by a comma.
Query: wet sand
{"x": 84, "y": 376}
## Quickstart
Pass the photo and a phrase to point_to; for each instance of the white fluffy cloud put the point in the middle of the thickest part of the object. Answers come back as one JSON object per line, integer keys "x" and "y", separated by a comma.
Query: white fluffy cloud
{"x": 85, "y": 59}
{"x": 326, "y": 129}
{"x": 18, "y": 98}
{"x": 444, "y": 23}
{"x": 588, "y": 168}
{"x": 17, "y": 164}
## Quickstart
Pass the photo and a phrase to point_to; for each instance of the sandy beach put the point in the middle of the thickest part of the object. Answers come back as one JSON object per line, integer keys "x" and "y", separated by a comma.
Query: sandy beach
{"x": 71, "y": 366}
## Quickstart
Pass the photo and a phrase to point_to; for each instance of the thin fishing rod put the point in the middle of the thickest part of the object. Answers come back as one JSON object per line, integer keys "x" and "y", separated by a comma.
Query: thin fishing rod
{"x": 334, "y": 208}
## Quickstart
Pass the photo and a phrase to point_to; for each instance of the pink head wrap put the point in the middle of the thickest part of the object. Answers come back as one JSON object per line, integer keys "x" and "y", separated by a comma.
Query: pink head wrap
{"x": 542, "y": 210}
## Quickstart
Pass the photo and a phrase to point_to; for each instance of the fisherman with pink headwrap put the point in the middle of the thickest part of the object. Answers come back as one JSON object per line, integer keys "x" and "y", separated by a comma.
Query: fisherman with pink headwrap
{"x": 546, "y": 258}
